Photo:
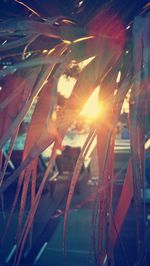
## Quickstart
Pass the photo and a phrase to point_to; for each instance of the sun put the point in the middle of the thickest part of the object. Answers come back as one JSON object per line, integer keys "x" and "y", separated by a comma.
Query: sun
{"x": 91, "y": 109}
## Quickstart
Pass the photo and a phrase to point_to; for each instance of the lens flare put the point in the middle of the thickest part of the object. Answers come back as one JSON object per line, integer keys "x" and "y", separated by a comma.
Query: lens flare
{"x": 91, "y": 108}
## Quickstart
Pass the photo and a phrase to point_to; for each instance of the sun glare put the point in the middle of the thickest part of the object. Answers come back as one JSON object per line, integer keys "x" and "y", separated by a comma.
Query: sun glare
{"x": 91, "y": 108}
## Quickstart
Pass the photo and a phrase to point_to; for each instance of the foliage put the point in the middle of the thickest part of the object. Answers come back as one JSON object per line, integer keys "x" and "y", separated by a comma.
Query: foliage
{"x": 35, "y": 52}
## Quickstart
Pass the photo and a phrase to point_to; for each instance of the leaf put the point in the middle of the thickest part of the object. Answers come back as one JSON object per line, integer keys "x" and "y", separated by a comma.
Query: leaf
{"x": 74, "y": 179}
{"x": 32, "y": 212}
{"x": 123, "y": 204}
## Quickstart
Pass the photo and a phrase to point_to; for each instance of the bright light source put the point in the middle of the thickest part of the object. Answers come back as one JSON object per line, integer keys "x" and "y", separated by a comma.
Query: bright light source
{"x": 91, "y": 108}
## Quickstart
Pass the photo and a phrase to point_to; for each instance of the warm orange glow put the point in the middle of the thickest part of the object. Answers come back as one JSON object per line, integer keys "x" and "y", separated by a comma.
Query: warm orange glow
{"x": 68, "y": 21}
{"x": 66, "y": 41}
{"x": 83, "y": 39}
{"x": 51, "y": 51}
{"x": 44, "y": 51}
{"x": 29, "y": 8}
{"x": 91, "y": 108}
